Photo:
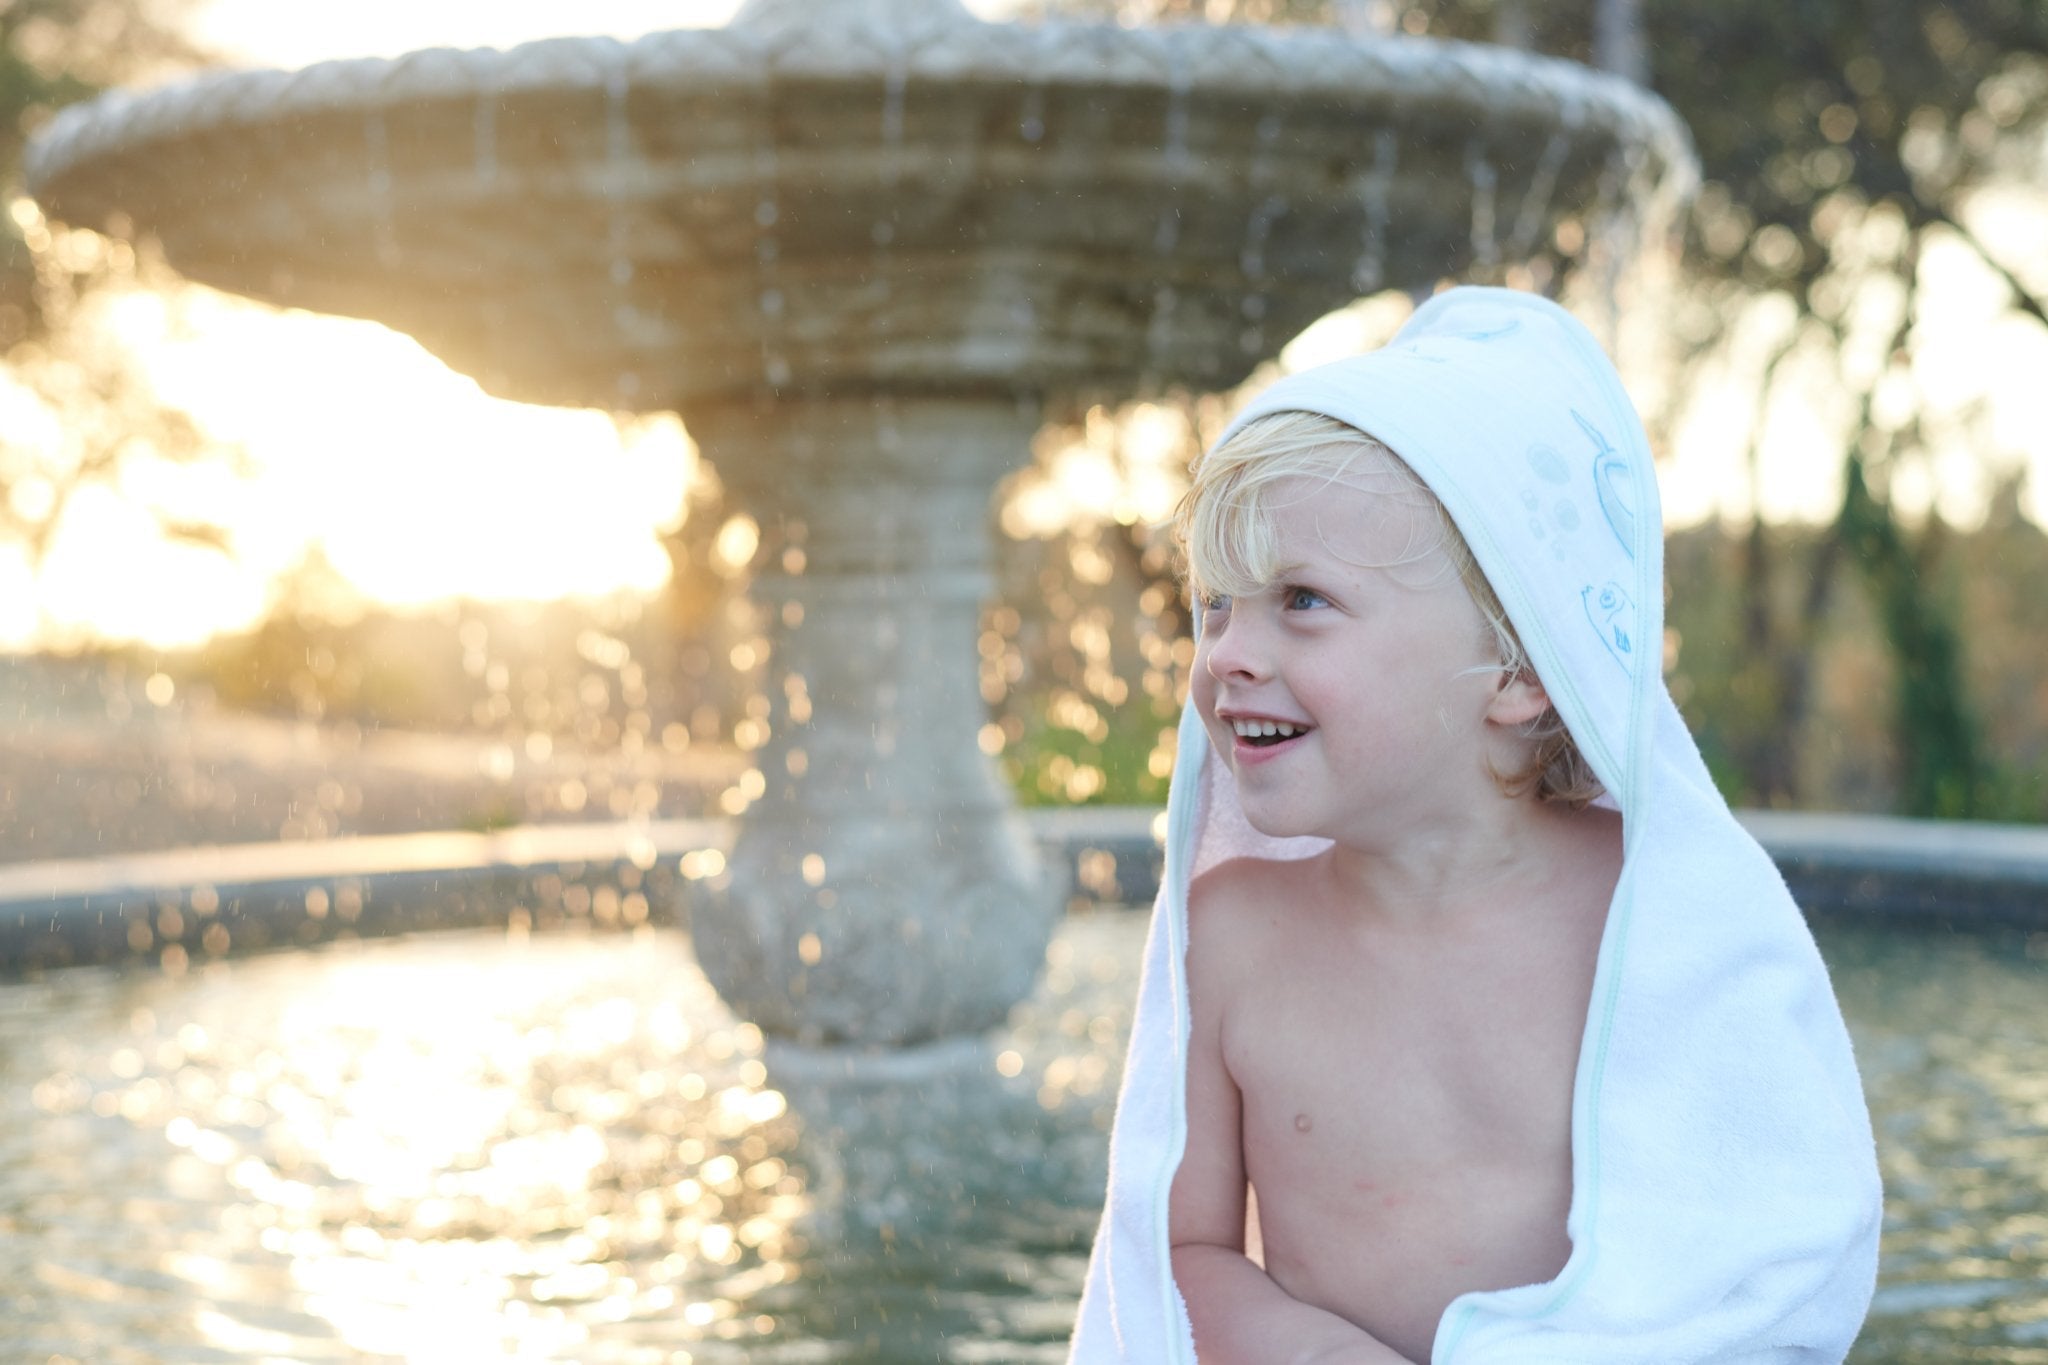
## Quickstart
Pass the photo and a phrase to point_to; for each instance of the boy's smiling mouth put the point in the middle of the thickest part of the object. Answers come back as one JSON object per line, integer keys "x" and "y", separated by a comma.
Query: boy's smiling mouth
{"x": 1261, "y": 733}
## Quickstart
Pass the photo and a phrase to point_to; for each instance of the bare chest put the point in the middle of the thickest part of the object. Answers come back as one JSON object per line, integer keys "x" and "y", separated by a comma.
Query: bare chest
{"x": 1407, "y": 1124}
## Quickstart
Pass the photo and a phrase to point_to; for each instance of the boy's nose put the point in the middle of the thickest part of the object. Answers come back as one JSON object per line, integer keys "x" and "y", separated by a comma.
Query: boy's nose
{"x": 1235, "y": 651}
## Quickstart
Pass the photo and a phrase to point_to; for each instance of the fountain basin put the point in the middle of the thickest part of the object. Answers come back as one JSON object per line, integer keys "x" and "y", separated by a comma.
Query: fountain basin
{"x": 835, "y": 201}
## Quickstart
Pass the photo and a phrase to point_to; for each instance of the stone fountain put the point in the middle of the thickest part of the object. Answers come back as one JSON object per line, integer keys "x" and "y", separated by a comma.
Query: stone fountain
{"x": 864, "y": 247}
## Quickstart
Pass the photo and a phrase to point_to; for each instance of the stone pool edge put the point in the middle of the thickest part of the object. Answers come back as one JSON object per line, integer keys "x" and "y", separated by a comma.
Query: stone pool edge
{"x": 213, "y": 901}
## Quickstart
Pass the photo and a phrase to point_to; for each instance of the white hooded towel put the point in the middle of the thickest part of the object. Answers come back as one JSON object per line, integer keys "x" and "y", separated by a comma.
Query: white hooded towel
{"x": 1725, "y": 1202}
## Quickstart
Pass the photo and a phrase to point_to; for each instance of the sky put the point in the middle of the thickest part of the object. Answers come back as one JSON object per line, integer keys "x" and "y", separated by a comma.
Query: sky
{"x": 267, "y": 33}
{"x": 431, "y": 490}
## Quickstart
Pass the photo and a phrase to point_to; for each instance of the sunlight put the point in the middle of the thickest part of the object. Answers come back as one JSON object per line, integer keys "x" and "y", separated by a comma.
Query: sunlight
{"x": 415, "y": 485}
{"x": 523, "y": 1144}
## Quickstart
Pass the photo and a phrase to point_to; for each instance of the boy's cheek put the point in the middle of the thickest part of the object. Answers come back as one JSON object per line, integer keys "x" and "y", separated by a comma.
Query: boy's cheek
{"x": 1202, "y": 696}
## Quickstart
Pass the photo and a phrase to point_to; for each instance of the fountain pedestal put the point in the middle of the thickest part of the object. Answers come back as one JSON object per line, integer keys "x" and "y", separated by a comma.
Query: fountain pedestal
{"x": 882, "y": 888}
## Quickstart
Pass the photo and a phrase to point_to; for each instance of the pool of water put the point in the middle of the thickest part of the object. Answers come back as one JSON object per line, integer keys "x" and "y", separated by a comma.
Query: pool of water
{"x": 480, "y": 1146}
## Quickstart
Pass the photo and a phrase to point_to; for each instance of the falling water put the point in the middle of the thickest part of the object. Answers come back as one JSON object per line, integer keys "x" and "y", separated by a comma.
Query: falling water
{"x": 619, "y": 169}
{"x": 888, "y": 630}
{"x": 1267, "y": 211}
{"x": 1175, "y": 146}
{"x": 1532, "y": 215}
{"x": 1165, "y": 298}
{"x": 1373, "y": 191}
{"x": 484, "y": 134}
{"x": 1608, "y": 239}
{"x": 767, "y": 257}
{"x": 377, "y": 158}
{"x": 484, "y": 166}
{"x": 894, "y": 84}
{"x": 1484, "y": 181}
{"x": 1031, "y": 117}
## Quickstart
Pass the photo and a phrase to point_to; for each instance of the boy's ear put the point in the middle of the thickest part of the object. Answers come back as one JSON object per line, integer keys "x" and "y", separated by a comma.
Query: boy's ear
{"x": 1520, "y": 699}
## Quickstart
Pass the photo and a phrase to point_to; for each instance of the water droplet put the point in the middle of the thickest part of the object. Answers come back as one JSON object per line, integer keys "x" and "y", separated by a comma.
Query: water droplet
{"x": 1374, "y": 190}
{"x": 1167, "y": 236}
{"x": 1479, "y": 170}
{"x": 1031, "y": 119}
{"x": 892, "y": 107}
{"x": 485, "y": 127}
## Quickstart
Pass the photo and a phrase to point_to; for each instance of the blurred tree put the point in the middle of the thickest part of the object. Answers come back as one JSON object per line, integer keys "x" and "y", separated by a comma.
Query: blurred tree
{"x": 1838, "y": 139}
{"x": 53, "y": 52}
{"x": 85, "y": 417}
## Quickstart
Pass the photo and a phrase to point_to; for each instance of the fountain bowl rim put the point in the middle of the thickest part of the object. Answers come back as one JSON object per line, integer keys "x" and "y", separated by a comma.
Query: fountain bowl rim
{"x": 1496, "y": 85}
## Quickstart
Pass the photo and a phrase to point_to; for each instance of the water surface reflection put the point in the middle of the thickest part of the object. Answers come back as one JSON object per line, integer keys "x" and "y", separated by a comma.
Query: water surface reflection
{"x": 486, "y": 1147}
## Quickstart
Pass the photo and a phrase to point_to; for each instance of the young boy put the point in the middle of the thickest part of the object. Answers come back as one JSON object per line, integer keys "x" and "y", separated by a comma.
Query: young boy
{"x": 1473, "y": 1026}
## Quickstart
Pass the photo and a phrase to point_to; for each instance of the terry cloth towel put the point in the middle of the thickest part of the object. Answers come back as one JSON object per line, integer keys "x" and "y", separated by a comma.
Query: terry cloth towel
{"x": 1725, "y": 1197}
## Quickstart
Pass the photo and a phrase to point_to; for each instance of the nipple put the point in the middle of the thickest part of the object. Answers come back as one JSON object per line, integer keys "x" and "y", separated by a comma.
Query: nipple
{"x": 1302, "y": 1123}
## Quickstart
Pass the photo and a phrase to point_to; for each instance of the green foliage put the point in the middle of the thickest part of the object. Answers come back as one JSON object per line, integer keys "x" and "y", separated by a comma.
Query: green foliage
{"x": 1798, "y": 110}
{"x": 1847, "y": 746}
{"x": 1054, "y": 765}
{"x": 1942, "y": 771}
{"x": 1815, "y": 121}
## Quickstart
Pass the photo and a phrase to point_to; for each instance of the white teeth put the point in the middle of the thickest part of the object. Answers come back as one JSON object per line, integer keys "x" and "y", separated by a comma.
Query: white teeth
{"x": 1266, "y": 729}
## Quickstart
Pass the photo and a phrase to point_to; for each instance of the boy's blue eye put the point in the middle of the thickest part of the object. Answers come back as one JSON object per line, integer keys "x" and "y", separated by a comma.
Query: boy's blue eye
{"x": 1303, "y": 599}
{"x": 1214, "y": 602}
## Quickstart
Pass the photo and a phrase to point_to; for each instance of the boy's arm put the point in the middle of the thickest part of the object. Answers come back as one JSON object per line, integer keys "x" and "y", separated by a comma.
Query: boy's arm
{"x": 1239, "y": 1314}
{"x": 1241, "y": 1317}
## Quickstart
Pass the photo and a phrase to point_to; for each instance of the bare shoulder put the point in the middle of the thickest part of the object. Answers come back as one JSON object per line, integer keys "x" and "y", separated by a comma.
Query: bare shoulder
{"x": 1234, "y": 911}
{"x": 1241, "y": 896}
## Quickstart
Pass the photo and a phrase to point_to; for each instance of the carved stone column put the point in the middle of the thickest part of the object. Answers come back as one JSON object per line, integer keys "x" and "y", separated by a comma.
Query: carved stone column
{"x": 882, "y": 889}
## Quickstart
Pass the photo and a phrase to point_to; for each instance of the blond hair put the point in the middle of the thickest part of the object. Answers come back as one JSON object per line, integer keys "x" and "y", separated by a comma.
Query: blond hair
{"x": 1229, "y": 548}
